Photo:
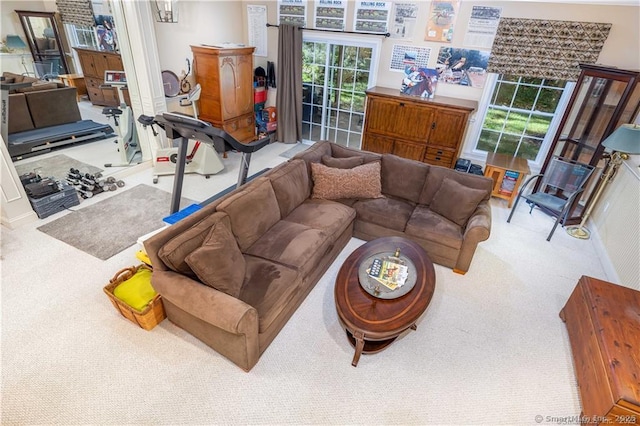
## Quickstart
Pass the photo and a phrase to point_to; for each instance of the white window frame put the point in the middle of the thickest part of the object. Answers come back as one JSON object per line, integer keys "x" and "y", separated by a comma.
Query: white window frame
{"x": 360, "y": 41}
{"x": 472, "y": 153}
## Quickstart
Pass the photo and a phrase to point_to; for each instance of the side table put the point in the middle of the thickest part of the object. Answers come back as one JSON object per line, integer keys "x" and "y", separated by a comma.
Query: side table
{"x": 77, "y": 81}
{"x": 499, "y": 166}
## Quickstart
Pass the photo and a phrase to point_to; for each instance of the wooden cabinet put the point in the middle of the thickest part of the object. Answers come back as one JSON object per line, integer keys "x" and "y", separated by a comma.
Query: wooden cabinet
{"x": 603, "y": 99}
{"x": 428, "y": 130}
{"x": 226, "y": 78}
{"x": 94, "y": 63}
{"x": 603, "y": 322}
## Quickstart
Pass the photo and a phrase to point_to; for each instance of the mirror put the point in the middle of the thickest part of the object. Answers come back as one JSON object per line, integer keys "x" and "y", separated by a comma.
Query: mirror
{"x": 45, "y": 42}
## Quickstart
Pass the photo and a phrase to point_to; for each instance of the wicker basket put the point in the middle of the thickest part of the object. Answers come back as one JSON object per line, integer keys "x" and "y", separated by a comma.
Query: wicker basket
{"x": 150, "y": 316}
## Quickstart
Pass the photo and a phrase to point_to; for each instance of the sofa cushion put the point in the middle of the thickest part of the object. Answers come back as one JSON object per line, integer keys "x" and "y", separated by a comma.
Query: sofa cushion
{"x": 359, "y": 182}
{"x": 292, "y": 244}
{"x": 403, "y": 178}
{"x": 388, "y": 212}
{"x": 53, "y": 107}
{"x": 428, "y": 225}
{"x": 437, "y": 174}
{"x": 219, "y": 263}
{"x": 342, "y": 163}
{"x": 19, "y": 116}
{"x": 174, "y": 251}
{"x": 455, "y": 201}
{"x": 329, "y": 216}
{"x": 339, "y": 151}
{"x": 38, "y": 86}
{"x": 268, "y": 287}
{"x": 252, "y": 211}
{"x": 291, "y": 185}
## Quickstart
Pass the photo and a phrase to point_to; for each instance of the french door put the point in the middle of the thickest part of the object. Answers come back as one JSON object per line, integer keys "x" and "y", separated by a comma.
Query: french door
{"x": 335, "y": 75}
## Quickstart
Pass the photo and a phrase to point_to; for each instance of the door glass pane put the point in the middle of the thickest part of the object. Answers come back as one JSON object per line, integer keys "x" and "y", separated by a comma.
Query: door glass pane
{"x": 343, "y": 72}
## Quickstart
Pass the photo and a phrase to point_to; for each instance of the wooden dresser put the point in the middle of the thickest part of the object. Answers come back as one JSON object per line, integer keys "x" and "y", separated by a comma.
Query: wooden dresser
{"x": 94, "y": 63}
{"x": 603, "y": 321}
{"x": 428, "y": 130}
{"x": 226, "y": 78}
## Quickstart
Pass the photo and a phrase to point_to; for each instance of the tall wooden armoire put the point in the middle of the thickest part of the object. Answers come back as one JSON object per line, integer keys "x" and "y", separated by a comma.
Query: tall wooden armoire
{"x": 604, "y": 98}
{"x": 226, "y": 78}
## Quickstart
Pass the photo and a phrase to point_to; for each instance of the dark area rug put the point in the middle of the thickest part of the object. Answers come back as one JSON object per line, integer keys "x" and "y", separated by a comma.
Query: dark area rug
{"x": 114, "y": 224}
{"x": 57, "y": 167}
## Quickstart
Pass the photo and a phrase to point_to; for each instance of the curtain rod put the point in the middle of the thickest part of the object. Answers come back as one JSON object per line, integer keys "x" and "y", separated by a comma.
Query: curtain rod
{"x": 331, "y": 31}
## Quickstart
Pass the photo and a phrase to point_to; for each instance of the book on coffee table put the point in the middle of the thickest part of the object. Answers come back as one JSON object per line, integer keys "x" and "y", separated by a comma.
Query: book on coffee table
{"x": 390, "y": 274}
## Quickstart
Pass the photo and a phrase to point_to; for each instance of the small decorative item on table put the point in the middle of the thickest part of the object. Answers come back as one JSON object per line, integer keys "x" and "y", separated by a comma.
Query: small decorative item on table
{"x": 387, "y": 275}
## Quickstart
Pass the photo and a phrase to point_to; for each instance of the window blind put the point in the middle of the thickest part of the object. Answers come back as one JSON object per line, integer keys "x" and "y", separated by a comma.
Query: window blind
{"x": 545, "y": 49}
{"x": 78, "y": 12}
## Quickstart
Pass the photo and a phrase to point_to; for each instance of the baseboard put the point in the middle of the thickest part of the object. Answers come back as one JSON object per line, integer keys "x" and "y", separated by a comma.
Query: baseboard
{"x": 16, "y": 222}
{"x": 607, "y": 265}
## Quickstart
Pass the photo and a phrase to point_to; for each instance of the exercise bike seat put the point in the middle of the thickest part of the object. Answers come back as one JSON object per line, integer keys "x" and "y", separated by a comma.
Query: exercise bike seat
{"x": 111, "y": 111}
{"x": 145, "y": 120}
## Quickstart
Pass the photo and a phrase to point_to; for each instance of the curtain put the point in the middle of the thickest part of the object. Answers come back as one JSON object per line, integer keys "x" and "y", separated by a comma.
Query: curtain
{"x": 78, "y": 12}
{"x": 545, "y": 49}
{"x": 289, "y": 84}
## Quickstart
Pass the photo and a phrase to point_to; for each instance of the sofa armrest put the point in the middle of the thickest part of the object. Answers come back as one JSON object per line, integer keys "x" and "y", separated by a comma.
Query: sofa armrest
{"x": 478, "y": 229}
{"x": 206, "y": 303}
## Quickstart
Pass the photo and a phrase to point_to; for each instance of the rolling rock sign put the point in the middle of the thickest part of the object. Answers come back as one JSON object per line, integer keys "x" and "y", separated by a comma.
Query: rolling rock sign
{"x": 372, "y": 16}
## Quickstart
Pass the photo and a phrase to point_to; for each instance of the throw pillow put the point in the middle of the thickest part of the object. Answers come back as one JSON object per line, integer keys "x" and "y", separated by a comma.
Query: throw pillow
{"x": 455, "y": 201}
{"x": 342, "y": 163}
{"x": 219, "y": 263}
{"x": 334, "y": 184}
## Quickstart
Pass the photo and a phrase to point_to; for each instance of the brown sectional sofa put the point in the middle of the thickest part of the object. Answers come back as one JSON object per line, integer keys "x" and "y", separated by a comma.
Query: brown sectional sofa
{"x": 234, "y": 272}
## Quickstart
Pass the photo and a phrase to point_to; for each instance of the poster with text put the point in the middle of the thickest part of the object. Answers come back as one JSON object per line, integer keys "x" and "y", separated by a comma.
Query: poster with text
{"x": 482, "y": 26}
{"x": 292, "y": 12}
{"x": 401, "y": 56}
{"x": 404, "y": 20}
{"x": 464, "y": 67}
{"x": 330, "y": 14}
{"x": 257, "y": 20}
{"x": 441, "y": 20}
{"x": 372, "y": 16}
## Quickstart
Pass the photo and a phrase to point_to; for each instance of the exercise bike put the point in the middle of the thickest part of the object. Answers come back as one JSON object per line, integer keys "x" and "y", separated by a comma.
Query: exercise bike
{"x": 201, "y": 158}
{"x": 127, "y": 140}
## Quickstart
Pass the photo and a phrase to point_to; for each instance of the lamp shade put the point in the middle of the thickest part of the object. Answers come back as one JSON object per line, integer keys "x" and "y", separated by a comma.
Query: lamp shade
{"x": 15, "y": 42}
{"x": 166, "y": 10}
{"x": 625, "y": 138}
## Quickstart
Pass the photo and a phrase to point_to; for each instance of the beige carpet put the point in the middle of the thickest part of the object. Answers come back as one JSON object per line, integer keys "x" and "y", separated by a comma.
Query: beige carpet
{"x": 490, "y": 348}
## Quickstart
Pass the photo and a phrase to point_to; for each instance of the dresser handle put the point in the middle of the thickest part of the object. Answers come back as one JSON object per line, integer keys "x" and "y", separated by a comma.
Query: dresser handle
{"x": 433, "y": 125}
{"x": 401, "y": 104}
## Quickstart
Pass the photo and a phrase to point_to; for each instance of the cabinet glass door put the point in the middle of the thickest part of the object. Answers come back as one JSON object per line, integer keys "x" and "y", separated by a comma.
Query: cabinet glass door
{"x": 603, "y": 99}
{"x": 44, "y": 40}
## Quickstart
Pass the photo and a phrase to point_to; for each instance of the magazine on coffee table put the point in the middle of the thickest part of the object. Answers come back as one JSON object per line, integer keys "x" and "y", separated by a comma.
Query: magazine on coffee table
{"x": 390, "y": 274}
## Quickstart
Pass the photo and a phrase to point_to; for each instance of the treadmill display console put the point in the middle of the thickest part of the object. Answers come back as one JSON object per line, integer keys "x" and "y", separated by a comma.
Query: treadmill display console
{"x": 115, "y": 78}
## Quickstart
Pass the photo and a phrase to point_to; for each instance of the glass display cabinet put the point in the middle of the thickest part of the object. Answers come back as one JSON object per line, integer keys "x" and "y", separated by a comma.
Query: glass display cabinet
{"x": 45, "y": 42}
{"x": 603, "y": 99}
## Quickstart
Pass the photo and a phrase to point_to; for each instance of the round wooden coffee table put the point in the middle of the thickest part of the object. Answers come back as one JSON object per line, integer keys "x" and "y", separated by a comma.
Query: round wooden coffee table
{"x": 373, "y": 323}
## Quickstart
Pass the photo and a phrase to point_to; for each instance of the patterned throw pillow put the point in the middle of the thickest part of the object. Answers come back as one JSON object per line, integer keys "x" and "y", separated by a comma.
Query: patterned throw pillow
{"x": 334, "y": 184}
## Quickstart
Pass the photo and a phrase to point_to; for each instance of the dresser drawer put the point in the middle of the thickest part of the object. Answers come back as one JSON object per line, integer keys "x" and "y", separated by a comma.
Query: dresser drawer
{"x": 92, "y": 82}
{"x": 439, "y": 157}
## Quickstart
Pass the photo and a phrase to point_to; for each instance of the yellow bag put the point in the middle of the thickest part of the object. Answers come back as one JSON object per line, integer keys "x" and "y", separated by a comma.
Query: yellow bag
{"x": 137, "y": 291}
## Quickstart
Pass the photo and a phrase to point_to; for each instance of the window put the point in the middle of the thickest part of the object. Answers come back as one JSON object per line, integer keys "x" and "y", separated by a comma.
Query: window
{"x": 82, "y": 36}
{"x": 519, "y": 116}
{"x": 335, "y": 75}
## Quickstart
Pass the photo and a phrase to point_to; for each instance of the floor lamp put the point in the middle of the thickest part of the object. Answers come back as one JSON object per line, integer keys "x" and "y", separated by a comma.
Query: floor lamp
{"x": 15, "y": 42}
{"x": 623, "y": 141}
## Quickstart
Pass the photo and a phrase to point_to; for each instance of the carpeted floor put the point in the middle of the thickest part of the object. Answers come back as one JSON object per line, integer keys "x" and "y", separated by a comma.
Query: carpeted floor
{"x": 57, "y": 167}
{"x": 490, "y": 349}
{"x": 113, "y": 224}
